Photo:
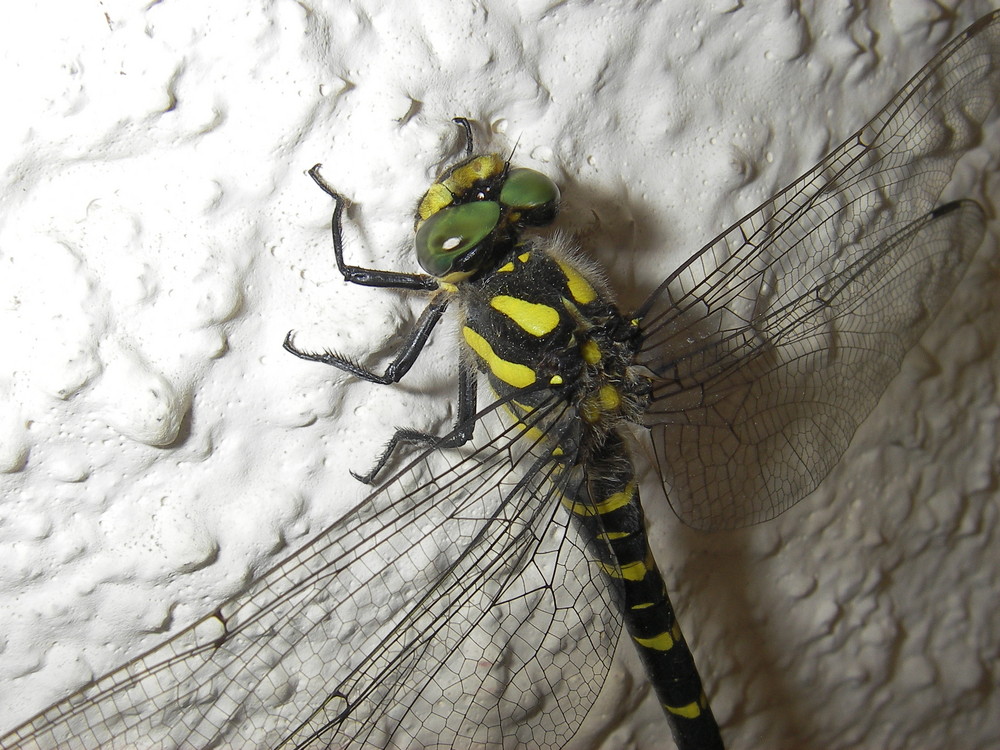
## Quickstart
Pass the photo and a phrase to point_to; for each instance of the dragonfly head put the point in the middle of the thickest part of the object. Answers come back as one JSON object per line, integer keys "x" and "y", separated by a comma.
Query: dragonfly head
{"x": 474, "y": 214}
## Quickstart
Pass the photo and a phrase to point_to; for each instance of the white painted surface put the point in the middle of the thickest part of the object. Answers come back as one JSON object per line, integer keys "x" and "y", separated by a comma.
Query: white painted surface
{"x": 158, "y": 237}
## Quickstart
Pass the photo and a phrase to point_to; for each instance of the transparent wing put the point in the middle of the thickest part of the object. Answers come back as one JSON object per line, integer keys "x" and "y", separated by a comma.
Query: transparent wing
{"x": 437, "y": 614}
{"x": 776, "y": 340}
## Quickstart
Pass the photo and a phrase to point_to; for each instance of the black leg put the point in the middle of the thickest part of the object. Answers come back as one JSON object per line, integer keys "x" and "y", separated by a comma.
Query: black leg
{"x": 415, "y": 342}
{"x": 399, "y": 366}
{"x": 467, "y": 127}
{"x": 465, "y": 425}
{"x": 366, "y": 276}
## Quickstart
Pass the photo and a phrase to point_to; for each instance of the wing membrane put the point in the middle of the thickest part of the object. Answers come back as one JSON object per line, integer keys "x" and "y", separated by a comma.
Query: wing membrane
{"x": 777, "y": 339}
{"x": 476, "y": 579}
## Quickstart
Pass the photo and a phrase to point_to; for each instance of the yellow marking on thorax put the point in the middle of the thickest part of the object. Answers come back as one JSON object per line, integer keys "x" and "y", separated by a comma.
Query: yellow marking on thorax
{"x": 506, "y": 268}
{"x": 579, "y": 288}
{"x": 589, "y": 411}
{"x": 523, "y": 257}
{"x": 607, "y": 400}
{"x": 532, "y": 317}
{"x": 613, "y": 502}
{"x": 512, "y": 373}
{"x": 591, "y": 352}
{"x": 610, "y": 398}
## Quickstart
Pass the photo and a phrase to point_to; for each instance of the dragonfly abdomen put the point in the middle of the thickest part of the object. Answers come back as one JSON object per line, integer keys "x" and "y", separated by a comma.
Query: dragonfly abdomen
{"x": 608, "y": 509}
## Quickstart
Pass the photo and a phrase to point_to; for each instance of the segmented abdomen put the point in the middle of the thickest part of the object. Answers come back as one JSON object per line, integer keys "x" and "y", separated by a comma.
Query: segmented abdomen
{"x": 608, "y": 510}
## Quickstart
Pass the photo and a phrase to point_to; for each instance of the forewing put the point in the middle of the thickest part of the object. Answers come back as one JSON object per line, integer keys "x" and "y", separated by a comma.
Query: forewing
{"x": 437, "y": 614}
{"x": 775, "y": 341}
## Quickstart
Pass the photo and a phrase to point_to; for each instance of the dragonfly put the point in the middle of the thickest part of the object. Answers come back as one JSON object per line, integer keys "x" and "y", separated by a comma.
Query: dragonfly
{"x": 519, "y": 534}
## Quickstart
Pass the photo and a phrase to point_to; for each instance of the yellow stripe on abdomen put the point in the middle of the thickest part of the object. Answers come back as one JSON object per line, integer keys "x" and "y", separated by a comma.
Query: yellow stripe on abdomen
{"x": 692, "y": 710}
{"x": 613, "y": 502}
{"x": 662, "y": 642}
{"x": 633, "y": 571}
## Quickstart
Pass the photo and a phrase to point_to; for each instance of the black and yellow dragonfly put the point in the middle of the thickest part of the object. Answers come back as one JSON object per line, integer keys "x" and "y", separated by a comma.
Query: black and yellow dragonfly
{"x": 521, "y": 531}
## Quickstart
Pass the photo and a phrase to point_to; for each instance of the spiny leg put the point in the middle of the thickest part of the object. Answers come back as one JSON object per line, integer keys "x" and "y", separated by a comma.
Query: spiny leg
{"x": 464, "y": 421}
{"x": 414, "y": 344}
{"x": 374, "y": 278}
{"x": 366, "y": 276}
{"x": 399, "y": 366}
{"x": 465, "y": 424}
{"x": 466, "y": 126}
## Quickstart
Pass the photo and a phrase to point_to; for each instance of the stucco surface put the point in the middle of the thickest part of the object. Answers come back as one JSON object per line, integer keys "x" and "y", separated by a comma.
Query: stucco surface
{"x": 159, "y": 236}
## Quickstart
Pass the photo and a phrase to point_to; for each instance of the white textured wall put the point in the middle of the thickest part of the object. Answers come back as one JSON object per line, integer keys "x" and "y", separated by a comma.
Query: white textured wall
{"x": 158, "y": 237}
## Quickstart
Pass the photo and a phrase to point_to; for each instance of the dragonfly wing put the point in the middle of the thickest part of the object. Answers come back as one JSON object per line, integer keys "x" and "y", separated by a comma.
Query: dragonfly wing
{"x": 437, "y": 614}
{"x": 775, "y": 341}
{"x": 476, "y": 659}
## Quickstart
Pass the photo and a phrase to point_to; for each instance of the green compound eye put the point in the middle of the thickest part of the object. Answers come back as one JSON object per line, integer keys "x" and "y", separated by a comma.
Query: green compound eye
{"x": 527, "y": 189}
{"x": 452, "y": 232}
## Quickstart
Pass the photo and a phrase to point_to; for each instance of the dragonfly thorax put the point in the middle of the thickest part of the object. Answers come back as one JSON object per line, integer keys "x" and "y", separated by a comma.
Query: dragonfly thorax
{"x": 543, "y": 320}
